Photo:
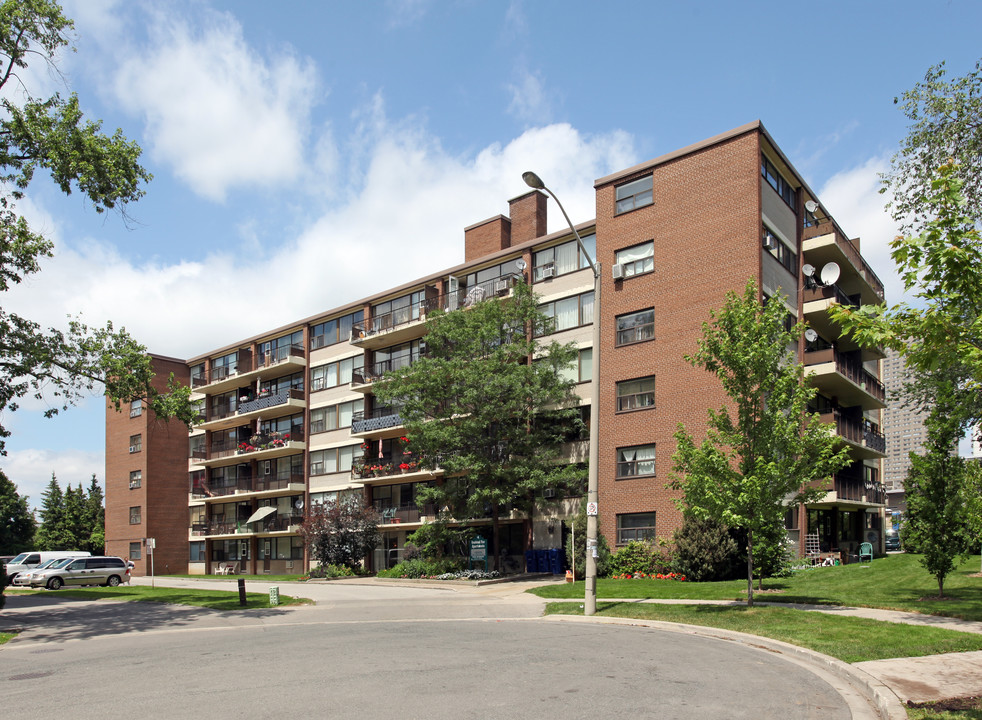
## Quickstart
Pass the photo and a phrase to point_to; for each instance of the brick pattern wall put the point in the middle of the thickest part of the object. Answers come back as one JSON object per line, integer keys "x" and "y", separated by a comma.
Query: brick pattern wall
{"x": 528, "y": 217}
{"x": 486, "y": 238}
{"x": 705, "y": 224}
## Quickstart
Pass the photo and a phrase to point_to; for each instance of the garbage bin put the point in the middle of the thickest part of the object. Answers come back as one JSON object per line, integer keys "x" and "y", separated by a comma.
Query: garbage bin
{"x": 530, "y": 561}
{"x": 541, "y": 561}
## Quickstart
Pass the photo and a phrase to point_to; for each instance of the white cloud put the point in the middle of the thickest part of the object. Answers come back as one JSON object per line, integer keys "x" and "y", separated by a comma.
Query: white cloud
{"x": 852, "y": 197}
{"x": 30, "y": 470}
{"x": 529, "y": 99}
{"x": 215, "y": 109}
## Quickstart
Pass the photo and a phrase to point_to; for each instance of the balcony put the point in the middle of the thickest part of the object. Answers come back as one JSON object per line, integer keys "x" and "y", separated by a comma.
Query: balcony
{"x": 362, "y": 379}
{"x": 849, "y": 489}
{"x": 824, "y": 243}
{"x": 281, "y": 361}
{"x": 269, "y": 405}
{"x": 837, "y": 375}
{"x": 862, "y": 436}
{"x": 212, "y": 489}
{"x": 377, "y": 421}
{"x": 266, "y": 447}
{"x": 409, "y": 322}
{"x": 409, "y": 513}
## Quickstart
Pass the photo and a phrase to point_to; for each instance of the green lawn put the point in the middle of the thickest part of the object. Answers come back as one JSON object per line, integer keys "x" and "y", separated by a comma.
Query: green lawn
{"x": 847, "y": 638}
{"x": 212, "y": 599}
{"x": 895, "y": 582}
{"x": 4, "y": 637}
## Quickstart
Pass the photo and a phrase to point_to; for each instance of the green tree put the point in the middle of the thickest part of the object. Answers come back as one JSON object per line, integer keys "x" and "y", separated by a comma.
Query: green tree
{"x": 770, "y": 448}
{"x": 52, "y": 535}
{"x": 473, "y": 406}
{"x": 95, "y": 519}
{"x": 75, "y": 521}
{"x": 17, "y": 525}
{"x": 51, "y": 135}
{"x": 344, "y": 532}
{"x": 576, "y": 548}
{"x": 946, "y": 126}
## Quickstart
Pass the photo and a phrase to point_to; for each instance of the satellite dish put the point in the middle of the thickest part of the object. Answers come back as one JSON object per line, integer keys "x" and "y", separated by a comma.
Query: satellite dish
{"x": 521, "y": 264}
{"x": 298, "y": 504}
{"x": 830, "y": 273}
{"x": 811, "y": 335}
{"x": 811, "y": 206}
{"x": 808, "y": 270}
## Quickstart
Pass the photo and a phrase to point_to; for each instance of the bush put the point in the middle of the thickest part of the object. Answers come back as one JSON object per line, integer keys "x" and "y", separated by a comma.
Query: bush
{"x": 638, "y": 557}
{"x": 579, "y": 535}
{"x": 332, "y": 571}
{"x": 705, "y": 551}
{"x": 423, "y": 568}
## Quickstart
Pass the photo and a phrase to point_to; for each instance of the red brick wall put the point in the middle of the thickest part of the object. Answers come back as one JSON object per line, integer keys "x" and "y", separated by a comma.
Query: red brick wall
{"x": 705, "y": 223}
{"x": 486, "y": 238}
{"x": 528, "y": 217}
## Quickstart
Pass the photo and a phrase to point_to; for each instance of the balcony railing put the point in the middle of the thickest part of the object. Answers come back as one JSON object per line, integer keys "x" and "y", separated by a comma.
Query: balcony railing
{"x": 379, "y": 419}
{"x": 240, "y": 485}
{"x": 277, "y": 482}
{"x": 857, "y": 430}
{"x": 848, "y": 249}
{"x": 409, "y": 513}
{"x": 849, "y": 368}
{"x": 832, "y": 292}
{"x": 270, "y": 400}
{"x": 279, "y": 523}
{"x": 362, "y": 376}
{"x": 246, "y": 363}
{"x": 855, "y": 488}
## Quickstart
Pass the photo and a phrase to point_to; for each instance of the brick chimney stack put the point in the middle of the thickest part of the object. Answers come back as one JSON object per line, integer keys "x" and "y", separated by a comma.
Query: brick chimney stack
{"x": 527, "y": 222}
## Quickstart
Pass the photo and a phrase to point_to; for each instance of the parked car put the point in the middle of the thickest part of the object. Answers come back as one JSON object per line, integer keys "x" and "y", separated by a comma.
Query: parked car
{"x": 892, "y": 540}
{"x": 23, "y": 578}
{"x": 101, "y": 570}
{"x": 30, "y": 560}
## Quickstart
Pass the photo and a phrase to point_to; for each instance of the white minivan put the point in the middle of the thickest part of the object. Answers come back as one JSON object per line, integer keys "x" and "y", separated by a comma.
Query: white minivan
{"x": 27, "y": 561}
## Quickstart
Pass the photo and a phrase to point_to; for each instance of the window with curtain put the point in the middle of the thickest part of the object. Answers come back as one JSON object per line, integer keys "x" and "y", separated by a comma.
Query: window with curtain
{"x": 636, "y": 460}
{"x": 636, "y": 394}
{"x": 638, "y": 259}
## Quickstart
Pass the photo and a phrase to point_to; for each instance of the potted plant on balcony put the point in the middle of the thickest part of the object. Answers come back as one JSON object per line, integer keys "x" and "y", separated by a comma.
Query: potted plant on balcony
{"x": 358, "y": 469}
{"x": 404, "y": 467}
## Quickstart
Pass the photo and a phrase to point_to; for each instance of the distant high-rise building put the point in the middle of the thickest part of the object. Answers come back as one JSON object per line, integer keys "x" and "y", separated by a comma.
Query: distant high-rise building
{"x": 903, "y": 426}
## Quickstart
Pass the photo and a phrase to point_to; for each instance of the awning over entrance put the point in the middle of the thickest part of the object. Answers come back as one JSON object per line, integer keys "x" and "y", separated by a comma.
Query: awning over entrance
{"x": 261, "y": 513}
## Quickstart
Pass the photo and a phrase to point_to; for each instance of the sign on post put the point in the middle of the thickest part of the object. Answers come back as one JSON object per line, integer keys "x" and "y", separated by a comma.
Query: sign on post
{"x": 479, "y": 552}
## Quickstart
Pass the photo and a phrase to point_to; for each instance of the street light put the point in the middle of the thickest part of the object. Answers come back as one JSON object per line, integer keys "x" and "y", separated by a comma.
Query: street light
{"x": 593, "y": 483}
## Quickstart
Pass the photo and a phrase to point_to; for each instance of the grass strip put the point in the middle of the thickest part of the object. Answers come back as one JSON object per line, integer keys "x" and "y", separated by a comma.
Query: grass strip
{"x": 894, "y": 582}
{"x": 211, "y": 599}
{"x": 4, "y": 637}
{"x": 960, "y": 709}
{"x": 848, "y": 638}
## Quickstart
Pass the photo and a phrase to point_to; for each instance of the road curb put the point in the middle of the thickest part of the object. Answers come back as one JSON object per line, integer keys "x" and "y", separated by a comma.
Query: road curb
{"x": 886, "y": 702}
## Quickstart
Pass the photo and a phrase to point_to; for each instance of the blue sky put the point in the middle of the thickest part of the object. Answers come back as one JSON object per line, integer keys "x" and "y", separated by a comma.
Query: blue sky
{"x": 364, "y": 136}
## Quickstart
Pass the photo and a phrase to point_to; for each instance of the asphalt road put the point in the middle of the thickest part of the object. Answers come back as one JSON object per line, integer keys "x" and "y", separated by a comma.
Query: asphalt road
{"x": 377, "y": 651}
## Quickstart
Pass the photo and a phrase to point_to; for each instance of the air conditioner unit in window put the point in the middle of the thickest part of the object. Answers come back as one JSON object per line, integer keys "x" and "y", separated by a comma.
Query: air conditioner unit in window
{"x": 617, "y": 270}
{"x": 547, "y": 271}
{"x": 501, "y": 286}
{"x": 549, "y": 492}
{"x": 770, "y": 242}
{"x": 134, "y": 485}
{"x": 134, "y": 448}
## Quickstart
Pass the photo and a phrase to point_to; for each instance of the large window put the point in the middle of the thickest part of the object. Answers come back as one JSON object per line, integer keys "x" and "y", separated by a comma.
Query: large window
{"x": 633, "y": 195}
{"x": 281, "y": 548}
{"x": 279, "y": 349}
{"x": 636, "y": 327}
{"x": 224, "y": 366}
{"x": 635, "y": 461}
{"x": 335, "y": 373}
{"x": 399, "y": 311}
{"x": 782, "y": 252}
{"x": 570, "y": 312}
{"x": 774, "y": 178}
{"x": 333, "y": 460}
{"x": 334, "y": 331}
{"x": 287, "y": 382}
{"x": 334, "y": 417}
{"x": 635, "y": 526}
{"x": 197, "y": 551}
{"x": 638, "y": 259}
{"x": 581, "y": 369}
{"x": 636, "y": 394}
{"x": 562, "y": 259}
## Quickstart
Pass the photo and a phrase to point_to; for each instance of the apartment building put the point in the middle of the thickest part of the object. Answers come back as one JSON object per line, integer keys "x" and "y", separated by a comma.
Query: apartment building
{"x": 289, "y": 418}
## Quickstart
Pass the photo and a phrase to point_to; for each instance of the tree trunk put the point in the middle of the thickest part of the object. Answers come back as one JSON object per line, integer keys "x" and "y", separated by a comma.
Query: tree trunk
{"x": 750, "y": 568}
{"x": 940, "y": 586}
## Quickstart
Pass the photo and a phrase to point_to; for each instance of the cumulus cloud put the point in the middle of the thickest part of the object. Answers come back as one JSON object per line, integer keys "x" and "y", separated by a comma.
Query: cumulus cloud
{"x": 217, "y": 111}
{"x": 853, "y": 198}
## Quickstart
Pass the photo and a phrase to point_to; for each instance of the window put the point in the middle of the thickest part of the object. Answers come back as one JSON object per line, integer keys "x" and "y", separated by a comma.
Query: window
{"x": 783, "y": 253}
{"x": 636, "y": 327}
{"x": 399, "y": 311}
{"x": 280, "y": 349}
{"x": 635, "y": 526}
{"x": 633, "y": 195}
{"x": 281, "y": 384}
{"x": 335, "y": 373}
{"x": 334, "y": 331}
{"x": 570, "y": 312}
{"x": 333, "y": 460}
{"x": 136, "y": 443}
{"x": 197, "y": 551}
{"x": 135, "y": 515}
{"x": 638, "y": 259}
{"x": 581, "y": 369}
{"x": 781, "y": 186}
{"x": 136, "y": 479}
{"x": 197, "y": 374}
{"x": 637, "y": 460}
{"x": 334, "y": 417}
{"x": 636, "y": 394}
{"x": 135, "y": 550}
{"x": 196, "y": 446}
{"x": 136, "y": 408}
{"x": 562, "y": 259}
{"x": 224, "y": 366}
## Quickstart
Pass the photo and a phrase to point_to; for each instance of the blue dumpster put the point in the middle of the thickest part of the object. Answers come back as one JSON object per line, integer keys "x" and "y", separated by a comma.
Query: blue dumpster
{"x": 556, "y": 561}
{"x": 542, "y": 561}
{"x": 530, "y": 561}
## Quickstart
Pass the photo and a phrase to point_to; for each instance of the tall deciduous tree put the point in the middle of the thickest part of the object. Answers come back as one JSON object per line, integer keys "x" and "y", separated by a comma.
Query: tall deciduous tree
{"x": 475, "y": 406}
{"x": 17, "y": 525}
{"x": 946, "y": 125}
{"x": 763, "y": 451}
{"x": 51, "y": 135}
{"x": 342, "y": 532}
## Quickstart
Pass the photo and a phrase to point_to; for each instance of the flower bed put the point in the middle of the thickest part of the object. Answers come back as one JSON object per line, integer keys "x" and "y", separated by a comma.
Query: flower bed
{"x": 647, "y": 576}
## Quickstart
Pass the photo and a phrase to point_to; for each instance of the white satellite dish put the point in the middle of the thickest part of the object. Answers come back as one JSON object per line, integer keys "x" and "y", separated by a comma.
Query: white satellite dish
{"x": 808, "y": 270}
{"x": 298, "y": 504}
{"x": 830, "y": 273}
{"x": 811, "y": 206}
{"x": 811, "y": 335}
{"x": 521, "y": 264}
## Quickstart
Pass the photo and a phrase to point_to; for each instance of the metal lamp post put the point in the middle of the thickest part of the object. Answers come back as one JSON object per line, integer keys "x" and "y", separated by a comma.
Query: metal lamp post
{"x": 590, "y": 600}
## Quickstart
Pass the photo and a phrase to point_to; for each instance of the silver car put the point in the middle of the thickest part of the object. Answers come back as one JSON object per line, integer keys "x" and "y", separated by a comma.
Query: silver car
{"x": 23, "y": 579}
{"x": 109, "y": 571}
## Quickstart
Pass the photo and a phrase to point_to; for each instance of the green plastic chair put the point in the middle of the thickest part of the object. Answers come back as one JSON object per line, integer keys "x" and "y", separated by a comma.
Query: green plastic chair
{"x": 866, "y": 552}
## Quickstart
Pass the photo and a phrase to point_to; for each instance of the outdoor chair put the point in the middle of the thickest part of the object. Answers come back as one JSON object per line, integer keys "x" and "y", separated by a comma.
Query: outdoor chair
{"x": 866, "y": 552}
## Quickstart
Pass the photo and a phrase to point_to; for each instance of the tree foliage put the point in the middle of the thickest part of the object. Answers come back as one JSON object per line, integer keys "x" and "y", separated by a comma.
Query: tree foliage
{"x": 72, "y": 519}
{"x": 343, "y": 532}
{"x": 704, "y": 550}
{"x": 17, "y": 525}
{"x": 576, "y": 548}
{"x": 760, "y": 456}
{"x": 478, "y": 407}
{"x": 51, "y": 135}
{"x": 946, "y": 127}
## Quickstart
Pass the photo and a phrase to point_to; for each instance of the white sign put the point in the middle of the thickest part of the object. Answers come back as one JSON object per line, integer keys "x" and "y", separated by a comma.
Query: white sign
{"x": 151, "y": 544}
{"x": 591, "y": 509}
